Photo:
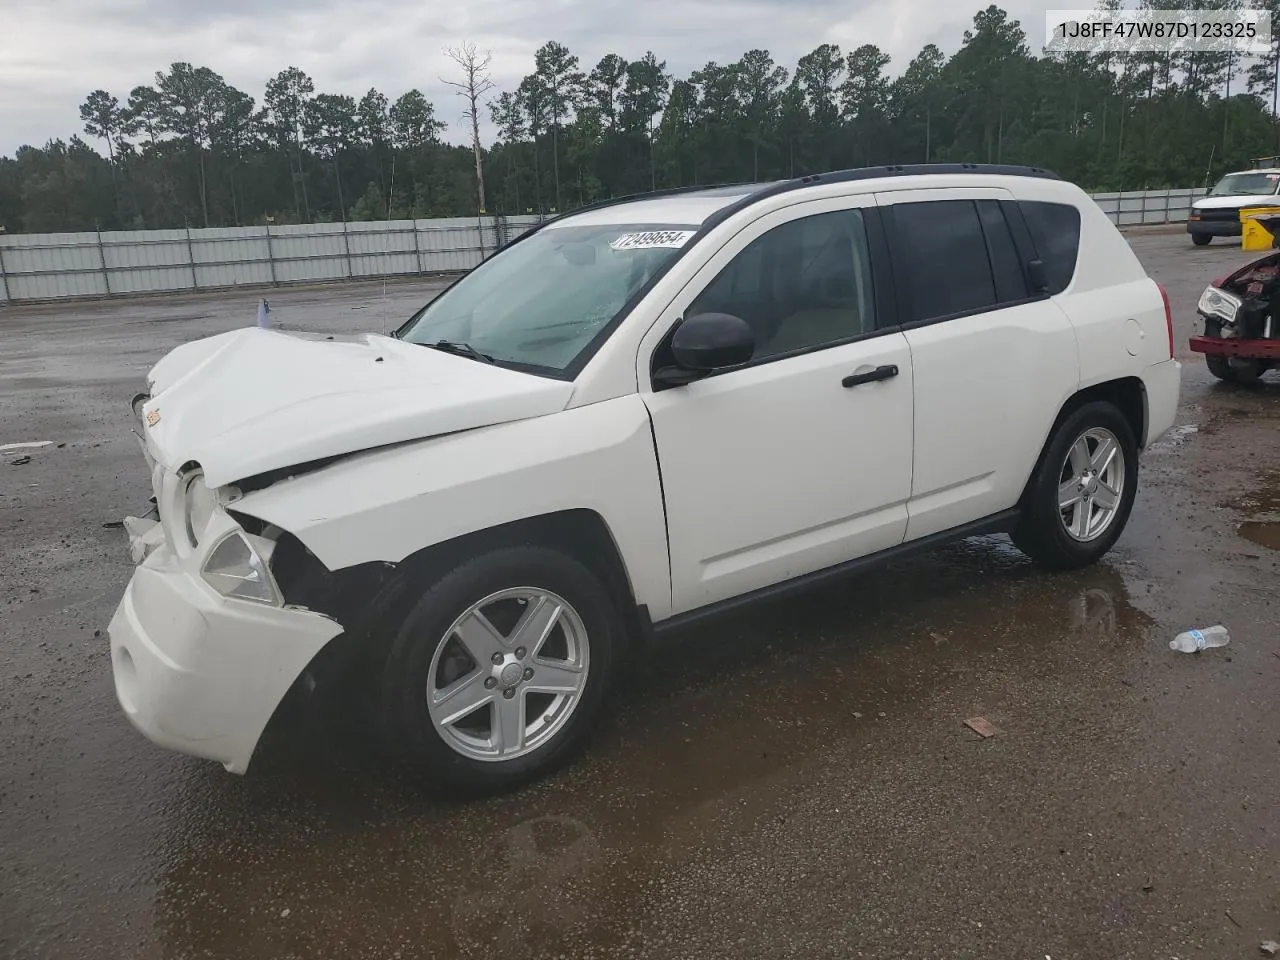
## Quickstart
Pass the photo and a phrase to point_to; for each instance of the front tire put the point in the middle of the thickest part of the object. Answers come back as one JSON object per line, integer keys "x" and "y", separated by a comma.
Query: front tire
{"x": 1247, "y": 371}
{"x": 499, "y": 671}
{"x": 1243, "y": 371}
{"x": 1080, "y": 498}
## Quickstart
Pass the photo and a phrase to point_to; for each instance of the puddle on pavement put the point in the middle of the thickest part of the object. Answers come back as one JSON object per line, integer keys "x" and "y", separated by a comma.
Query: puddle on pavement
{"x": 1259, "y": 405}
{"x": 1263, "y": 533}
{"x": 1262, "y": 505}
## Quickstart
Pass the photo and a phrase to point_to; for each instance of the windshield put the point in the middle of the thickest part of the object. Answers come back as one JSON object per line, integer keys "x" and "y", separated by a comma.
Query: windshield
{"x": 1246, "y": 185}
{"x": 540, "y": 303}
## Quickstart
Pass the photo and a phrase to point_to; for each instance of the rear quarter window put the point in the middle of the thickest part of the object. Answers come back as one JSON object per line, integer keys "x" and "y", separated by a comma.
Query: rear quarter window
{"x": 1055, "y": 230}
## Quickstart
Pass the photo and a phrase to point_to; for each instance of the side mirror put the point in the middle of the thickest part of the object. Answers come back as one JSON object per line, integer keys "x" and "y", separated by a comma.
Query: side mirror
{"x": 704, "y": 343}
{"x": 710, "y": 341}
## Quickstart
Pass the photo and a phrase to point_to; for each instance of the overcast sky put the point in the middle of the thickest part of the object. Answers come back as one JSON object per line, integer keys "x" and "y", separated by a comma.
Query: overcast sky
{"x": 53, "y": 52}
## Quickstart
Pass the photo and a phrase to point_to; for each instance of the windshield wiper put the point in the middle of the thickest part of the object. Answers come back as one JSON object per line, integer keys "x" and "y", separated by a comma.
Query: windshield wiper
{"x": 460, "y": 349}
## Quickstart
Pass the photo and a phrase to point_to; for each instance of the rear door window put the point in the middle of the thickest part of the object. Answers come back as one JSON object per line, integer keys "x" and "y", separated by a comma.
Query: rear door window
{"x": 941, "y": 259}
{"x": 1055, "y": 231}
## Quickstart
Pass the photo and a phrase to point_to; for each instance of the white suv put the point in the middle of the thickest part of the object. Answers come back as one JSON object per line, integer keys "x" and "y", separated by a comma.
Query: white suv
{"x": 635, "y": 416}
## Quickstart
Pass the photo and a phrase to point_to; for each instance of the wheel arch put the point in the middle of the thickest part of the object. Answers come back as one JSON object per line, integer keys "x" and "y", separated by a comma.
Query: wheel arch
{"x": 580, "y": 533}
{"x": 1127, "y": 394}
{"x": 371, "y": 599}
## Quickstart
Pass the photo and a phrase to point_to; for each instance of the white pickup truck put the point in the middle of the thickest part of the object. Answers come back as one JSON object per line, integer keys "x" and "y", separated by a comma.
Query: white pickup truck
{"x": 635, "y": 416}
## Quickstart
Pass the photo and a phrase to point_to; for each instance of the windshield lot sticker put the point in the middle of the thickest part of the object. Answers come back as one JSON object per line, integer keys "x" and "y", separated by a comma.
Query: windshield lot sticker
{"x": 653, "y": 239}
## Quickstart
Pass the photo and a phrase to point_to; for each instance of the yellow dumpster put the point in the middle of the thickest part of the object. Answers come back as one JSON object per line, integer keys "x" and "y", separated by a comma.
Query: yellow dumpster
{"x": 1257, "y": 226}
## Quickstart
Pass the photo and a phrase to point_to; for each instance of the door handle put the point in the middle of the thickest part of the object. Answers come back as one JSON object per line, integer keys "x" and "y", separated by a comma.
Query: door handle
{"x": 871, "y": 376}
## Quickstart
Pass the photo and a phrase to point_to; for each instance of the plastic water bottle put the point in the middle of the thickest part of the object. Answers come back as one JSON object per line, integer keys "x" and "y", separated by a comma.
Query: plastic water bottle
{"x": 1193, "y": 641}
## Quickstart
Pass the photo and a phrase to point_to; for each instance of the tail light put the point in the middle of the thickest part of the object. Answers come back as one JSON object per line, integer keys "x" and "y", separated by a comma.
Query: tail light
{"x": 1168, "y": 316}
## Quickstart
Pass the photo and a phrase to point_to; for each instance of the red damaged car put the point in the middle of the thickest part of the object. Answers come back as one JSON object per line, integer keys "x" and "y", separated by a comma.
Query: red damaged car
{"x": 1241, "y": 314}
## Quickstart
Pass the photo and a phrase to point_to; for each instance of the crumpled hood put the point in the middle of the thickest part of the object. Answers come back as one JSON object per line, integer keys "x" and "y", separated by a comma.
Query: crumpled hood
{"x": 253, "y": 400}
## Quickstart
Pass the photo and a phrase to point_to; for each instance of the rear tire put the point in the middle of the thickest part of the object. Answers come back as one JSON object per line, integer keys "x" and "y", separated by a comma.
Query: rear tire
{"x": 431, "y": 674}
{"x": 1201, "y": 239}
{"x": 1081, "y": 495}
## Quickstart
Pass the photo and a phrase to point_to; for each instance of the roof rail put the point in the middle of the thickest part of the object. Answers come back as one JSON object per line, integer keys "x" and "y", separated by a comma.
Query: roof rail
{"x": 874, "y": 173}
{"x": 924, "y": 169}
{"x": 833, "y": 176}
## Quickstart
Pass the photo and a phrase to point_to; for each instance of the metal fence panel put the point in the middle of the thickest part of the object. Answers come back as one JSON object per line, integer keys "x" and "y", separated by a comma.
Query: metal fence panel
{"x": 147, "y": 261}
{"x": 1109, "y": 205}
{"x": 231, "y": 257}
{"x": 229, "y": 249}
{"x": 75, "y": 265}
{"x": 449, "y": 245}
{"x": 55, "y": 286}
{"x": 314, "y": 268}
{"x": 52, "y": 253}
{"x": 152, "y": 280}
{"x": 53, "y": 266}
{"x": 246, "y": 273}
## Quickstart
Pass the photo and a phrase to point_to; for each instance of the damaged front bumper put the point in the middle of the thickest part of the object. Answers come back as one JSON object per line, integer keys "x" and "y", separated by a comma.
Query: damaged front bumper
{"x": 1258, "y": 349}
{"x": 145, "y": 537}
{"x": 195, "y": 671}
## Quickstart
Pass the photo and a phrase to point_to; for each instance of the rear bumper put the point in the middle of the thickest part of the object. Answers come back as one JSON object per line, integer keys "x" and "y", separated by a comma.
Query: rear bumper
{"x": 1163, "y": 384}
{"x": 198, "y": 673}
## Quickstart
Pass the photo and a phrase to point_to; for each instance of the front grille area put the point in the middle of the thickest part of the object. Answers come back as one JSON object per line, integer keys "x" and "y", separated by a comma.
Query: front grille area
{"x": 1218, "y": 216}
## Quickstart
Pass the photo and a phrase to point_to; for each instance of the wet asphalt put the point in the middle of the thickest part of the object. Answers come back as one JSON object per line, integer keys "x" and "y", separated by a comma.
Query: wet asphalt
{"x": 795, "y": 782}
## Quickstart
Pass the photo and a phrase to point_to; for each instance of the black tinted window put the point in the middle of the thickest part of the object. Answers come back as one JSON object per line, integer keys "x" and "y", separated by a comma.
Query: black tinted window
{"x": 803, "y": 284}
{"x": 1055, "y": 230}
{"x": 942, "y": 258}
{"x": 1011, "y": 283}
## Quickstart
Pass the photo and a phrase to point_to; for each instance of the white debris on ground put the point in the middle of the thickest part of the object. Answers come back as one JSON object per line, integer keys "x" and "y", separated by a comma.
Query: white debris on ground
{"x": 1174, "y": 438}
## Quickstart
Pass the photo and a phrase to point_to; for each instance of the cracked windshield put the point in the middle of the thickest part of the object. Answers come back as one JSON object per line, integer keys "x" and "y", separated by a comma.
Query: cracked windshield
{"x": 540, "y": 303}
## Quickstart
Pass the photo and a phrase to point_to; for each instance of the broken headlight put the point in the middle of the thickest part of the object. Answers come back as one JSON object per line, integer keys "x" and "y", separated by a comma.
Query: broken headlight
{"x": 137, "y": 403}
{"x": 237, "y": 568}
{"x": 198, "y": 504}
{"x": 1215, "y": 302}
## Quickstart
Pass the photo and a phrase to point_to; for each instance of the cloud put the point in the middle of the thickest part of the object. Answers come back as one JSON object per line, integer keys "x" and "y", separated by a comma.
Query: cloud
{"x": 53, "y": 52}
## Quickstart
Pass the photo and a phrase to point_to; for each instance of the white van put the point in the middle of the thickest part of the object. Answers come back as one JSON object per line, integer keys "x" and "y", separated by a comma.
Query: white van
{"x": 1217, "y": 214}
